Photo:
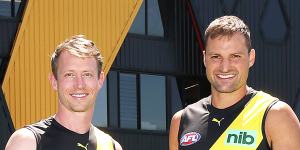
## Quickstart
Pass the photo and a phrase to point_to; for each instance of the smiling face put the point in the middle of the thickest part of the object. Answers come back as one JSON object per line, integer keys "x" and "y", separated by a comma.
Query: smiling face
{"x": 77, "y": 82}
{"x": 227, "y": 61}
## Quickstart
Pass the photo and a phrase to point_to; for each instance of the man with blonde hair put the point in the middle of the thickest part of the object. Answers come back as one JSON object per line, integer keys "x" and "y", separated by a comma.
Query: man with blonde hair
{"x": 77, "y": 77}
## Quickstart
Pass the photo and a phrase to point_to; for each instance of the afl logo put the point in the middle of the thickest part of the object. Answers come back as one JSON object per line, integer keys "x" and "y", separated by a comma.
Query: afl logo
{"x": 190, "y": 138}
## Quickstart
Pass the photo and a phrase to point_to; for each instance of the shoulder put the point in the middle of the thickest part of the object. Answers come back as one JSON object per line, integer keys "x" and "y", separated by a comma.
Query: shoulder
{"x": 201, "y": 103}
{"x": 175, "y": 123}
{"x": 174, "y": 128}
{"x": 117, "y": 145}
{"x": 177, "y": 115}
{"x": 21, "y": 139}
{"x": 281, "y": 110}
{"x": 176, "y": 118}
{"x": 102, "y": 134}
{"x": 106, "y": 137}
{"x": 281, "y": 122}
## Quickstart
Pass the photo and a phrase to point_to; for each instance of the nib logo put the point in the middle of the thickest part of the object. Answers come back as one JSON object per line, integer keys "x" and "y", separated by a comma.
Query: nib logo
{"x": 246, "y": 138}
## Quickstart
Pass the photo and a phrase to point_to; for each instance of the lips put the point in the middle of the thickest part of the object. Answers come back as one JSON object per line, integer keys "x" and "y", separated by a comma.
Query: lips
{"x": 225, "y": 76}
{"x": 79, "y": 95}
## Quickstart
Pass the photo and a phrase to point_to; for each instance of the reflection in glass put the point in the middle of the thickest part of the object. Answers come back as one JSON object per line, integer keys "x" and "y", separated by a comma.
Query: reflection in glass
{"x": 138, "y": 25}
{"x": 128, "y": 101}
{"x": 153, "y": 102}
{"x": 155, "y": 26}
{"x": 100, "y": 111}
{"x": 150, "y": 22}
{"x": 7, "y": 6}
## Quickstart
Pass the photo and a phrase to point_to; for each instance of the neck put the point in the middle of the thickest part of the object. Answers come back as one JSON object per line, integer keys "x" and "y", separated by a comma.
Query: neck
{"x": 79, "y": 122}
{"x": 225, "y": 100}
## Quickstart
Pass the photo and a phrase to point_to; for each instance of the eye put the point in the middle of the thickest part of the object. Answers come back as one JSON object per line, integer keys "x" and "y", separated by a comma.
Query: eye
{"x": 69, "y": 75}
{"x": 236, "y": 56}
{"x": 215, "y": 57}
{"x": 87, "y": 74}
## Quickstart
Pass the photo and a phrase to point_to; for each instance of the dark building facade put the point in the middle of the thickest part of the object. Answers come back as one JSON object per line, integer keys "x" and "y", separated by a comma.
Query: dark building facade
{"x": 159, "y": 68}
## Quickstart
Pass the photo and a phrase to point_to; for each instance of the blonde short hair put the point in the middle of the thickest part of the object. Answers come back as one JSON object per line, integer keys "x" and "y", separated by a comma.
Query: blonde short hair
{"x": 79, "y": 46}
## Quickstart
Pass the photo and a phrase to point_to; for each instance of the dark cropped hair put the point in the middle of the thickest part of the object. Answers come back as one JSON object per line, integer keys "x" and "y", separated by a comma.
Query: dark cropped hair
{"x": 228, "y": 26}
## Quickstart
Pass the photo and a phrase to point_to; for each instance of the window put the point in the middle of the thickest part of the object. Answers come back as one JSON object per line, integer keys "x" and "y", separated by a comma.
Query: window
{"x": 9, "y": 7}
{"x": 153, "y": 96}
{"x": 128, "y": 101}
{"x": 148, "y": 20}
{"x": 132, "y": 99}
{"x": 138, "y": 26}
{"x": 274, "y": 24}
{"x": 155, "y": 26}
{"x": 100, "y": 111}
{"x": 138, "y": 96}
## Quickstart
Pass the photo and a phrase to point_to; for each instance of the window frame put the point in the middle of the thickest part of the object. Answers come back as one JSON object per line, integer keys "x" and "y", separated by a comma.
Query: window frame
{"x": 145, "y": 19}
{"x": 138, "y": 100}
{"x": 165, "y": 101}
{"x": 14, "y": 10}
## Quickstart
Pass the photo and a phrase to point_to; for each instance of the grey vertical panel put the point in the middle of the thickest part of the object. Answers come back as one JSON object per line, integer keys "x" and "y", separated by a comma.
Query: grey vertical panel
{"x": 6, "y": 125}
{"x": 187, "y": 47}
{"x": 292, "y": 49}
{"x": 113, "y": 109}
{"x": 8, "y": 28}
{"x": 128, "y": 101}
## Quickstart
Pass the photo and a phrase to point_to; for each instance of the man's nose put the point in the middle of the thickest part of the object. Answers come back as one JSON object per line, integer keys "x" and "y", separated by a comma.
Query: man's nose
{"x": 80, "y": 82}
{"x": 225, "y": 65}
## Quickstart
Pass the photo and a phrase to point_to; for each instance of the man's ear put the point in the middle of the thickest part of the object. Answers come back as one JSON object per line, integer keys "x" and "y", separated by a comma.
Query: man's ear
{"x": 203, "y": 54}
{"x": 53, "y": 81}
{"x": 101, "y": 79}
{"x": 251, "y": 57}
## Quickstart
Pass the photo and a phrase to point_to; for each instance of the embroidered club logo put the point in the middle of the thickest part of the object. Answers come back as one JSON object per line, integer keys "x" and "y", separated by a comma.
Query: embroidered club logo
{"x": 190, "y": 138}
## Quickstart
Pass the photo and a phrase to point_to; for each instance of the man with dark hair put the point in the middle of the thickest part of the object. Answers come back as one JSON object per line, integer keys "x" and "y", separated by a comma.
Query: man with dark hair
{"x": 234, "y": 116}
{"x": 77, "y": 77}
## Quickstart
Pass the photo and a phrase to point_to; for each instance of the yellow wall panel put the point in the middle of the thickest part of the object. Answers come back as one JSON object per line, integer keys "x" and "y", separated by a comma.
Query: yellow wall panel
{"x": 47, "y": 23}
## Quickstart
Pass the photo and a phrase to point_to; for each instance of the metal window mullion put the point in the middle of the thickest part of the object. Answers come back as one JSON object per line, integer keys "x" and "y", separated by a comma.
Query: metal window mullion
{"x": 146, "y": 17}
{"x": 118, "y": 99}
{"x": 12, "y": 8}
{"x": 138, "y": 101}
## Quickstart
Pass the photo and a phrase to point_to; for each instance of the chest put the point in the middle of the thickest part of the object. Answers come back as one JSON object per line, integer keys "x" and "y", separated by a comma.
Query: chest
{"x": 62, "y": 141}
{"x": 202, "y": 130}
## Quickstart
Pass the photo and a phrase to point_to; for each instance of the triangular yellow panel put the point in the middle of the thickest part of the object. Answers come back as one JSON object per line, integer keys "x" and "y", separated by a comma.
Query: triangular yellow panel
{"x": 47, "y": 23}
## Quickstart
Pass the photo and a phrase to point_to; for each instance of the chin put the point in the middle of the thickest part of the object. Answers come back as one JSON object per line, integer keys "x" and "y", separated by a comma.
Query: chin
{"x": 79, "y": 110}
{"x": 225, "y": 89}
